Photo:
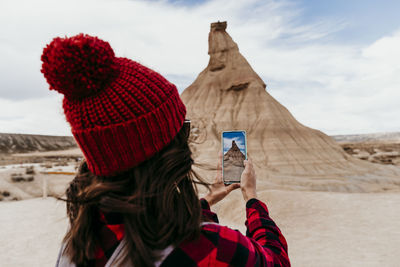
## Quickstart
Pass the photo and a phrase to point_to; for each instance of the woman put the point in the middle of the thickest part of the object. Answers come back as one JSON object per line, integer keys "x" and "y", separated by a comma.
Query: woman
{"x": 134, "y": 200}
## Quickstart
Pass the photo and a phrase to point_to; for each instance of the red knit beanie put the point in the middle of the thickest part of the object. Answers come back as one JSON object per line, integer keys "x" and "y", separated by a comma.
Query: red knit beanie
{"x": 121, "y": 113}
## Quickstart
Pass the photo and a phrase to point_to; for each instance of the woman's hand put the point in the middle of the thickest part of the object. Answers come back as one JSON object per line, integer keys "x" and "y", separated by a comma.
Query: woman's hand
{"x": 218, "y": 190}
{"x": 248, "y": 181}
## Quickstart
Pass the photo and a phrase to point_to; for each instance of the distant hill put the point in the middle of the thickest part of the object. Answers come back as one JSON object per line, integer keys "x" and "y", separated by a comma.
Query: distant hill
{"x": 21, "y": 143}
{"x": 374, "y": 137}
{"x": 382, "y": 148}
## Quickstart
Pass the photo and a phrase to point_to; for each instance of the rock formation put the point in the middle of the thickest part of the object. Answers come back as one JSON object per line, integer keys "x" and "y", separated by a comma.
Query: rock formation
{"x": 234, "y": 155}
{"x": 391, "y": 137}
{"x": 382, "y": 148}
{"x": 21, "y": 143}
{"x": 229, "y": 95}
{"x": 233, "y": 163}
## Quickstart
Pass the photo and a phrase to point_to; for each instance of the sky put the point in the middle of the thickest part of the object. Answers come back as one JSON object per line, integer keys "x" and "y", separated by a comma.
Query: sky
{"x": 238, "y": 137}
{"x": 333, "y": 64}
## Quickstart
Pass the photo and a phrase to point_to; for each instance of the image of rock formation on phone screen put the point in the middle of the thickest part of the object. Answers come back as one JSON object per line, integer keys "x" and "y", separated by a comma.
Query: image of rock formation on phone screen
{"x": 233, "y": 163}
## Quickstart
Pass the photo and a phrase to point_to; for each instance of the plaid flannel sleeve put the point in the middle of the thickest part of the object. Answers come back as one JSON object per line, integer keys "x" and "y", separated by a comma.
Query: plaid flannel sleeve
{"x": 265, "y": 235}
{"x": 208, "y": 215}
{"x": 218, "y": 245}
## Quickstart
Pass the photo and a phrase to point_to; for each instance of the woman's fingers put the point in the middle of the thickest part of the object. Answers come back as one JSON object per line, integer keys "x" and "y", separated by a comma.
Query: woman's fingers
{"x": 232, "y": 187}
{"x": 248, "y": 165}
{"x": 219, "y": 163}
{"x": 218, "y": 190}
{"x": 218, "y": 177}
{"x": 248, "y": 181}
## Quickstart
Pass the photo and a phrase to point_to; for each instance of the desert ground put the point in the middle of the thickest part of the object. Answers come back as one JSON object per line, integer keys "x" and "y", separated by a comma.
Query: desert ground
{"x": 322, "y": 228}
{"x": 375, "y": 152}
{"x": 330, "y": 229}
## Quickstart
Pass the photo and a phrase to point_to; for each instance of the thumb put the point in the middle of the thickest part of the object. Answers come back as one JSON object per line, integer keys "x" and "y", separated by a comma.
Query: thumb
{"x": 232, "y": 187}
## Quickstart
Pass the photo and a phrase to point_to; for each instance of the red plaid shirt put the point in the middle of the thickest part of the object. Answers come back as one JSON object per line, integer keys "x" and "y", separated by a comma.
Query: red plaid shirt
{"x": 263, "y": 245}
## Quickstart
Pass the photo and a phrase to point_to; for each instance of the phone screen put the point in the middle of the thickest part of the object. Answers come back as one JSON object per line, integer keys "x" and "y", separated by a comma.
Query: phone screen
{"x": 234, "y": 147}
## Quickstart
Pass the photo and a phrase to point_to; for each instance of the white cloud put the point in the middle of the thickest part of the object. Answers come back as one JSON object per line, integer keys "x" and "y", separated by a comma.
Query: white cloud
{"x": 34, "y": 116}
{"x": 328, "y": 86}
{"x": 339, "y": 89}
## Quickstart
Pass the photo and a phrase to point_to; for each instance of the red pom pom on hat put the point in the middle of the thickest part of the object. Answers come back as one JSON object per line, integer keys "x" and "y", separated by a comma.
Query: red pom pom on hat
{"x": 78, "y": 66}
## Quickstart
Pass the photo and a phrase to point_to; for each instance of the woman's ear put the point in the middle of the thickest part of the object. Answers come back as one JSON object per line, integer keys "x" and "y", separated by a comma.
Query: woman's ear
{"x": 83, "y": 167}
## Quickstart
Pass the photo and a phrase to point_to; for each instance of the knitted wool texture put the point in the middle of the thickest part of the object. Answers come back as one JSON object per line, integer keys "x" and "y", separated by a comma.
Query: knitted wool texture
{"x": 121, "y": 112}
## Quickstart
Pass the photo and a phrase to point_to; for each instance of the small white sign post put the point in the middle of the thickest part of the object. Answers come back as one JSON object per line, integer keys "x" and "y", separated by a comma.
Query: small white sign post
{"x": 44, "y": 186}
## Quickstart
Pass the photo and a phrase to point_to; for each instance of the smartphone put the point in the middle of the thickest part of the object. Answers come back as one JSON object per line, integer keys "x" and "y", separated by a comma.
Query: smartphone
{"x": 234, "y": 147}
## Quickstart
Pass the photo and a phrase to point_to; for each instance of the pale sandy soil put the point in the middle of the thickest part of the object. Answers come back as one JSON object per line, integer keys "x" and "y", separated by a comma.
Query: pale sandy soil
{"x": 330, "y": 229}
{"x": 55, "y": 184}
{"x": 322, "y": 228}
{"x": 31, "y": 231}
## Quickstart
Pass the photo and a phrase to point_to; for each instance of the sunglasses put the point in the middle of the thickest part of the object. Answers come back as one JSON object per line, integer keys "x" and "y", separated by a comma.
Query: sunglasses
{"x": 186, "y": 125}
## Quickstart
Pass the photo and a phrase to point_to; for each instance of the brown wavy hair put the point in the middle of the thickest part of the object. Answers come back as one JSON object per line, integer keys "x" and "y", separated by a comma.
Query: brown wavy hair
{"x": 158, "y": 201}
